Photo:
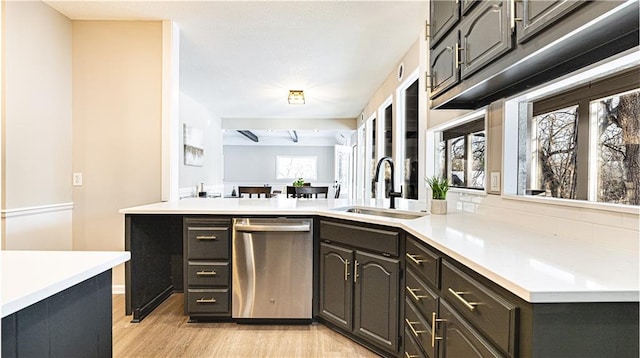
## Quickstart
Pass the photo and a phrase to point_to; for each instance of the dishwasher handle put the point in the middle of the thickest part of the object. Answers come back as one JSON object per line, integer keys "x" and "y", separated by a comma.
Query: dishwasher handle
{"x": 272, "y": 227}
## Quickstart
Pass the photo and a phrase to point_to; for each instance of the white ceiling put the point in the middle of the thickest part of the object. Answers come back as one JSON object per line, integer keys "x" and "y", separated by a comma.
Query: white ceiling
{"x": 240, "y": 58}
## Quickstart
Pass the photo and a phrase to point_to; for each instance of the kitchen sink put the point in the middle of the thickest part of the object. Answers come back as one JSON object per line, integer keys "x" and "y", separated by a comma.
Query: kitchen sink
{"x": 388, "y": 213}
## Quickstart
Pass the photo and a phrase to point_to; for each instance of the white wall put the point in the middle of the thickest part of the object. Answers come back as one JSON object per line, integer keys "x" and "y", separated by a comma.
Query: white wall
{"x": 256, "y": 165}
{"x": 37, "y": 121}
{"x": 195, "y": 114}
{"x": 117, "y": 123}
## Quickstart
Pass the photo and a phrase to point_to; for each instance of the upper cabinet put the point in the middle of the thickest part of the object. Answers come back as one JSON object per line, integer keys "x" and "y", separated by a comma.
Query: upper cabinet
{"x": 444, "y": 15}
{"x": 484, "y": 50}
{"x": 537, "y": 15}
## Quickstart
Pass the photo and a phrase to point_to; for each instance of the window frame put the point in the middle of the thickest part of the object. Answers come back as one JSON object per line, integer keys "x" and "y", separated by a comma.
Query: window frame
{"x": 556, "y": 95}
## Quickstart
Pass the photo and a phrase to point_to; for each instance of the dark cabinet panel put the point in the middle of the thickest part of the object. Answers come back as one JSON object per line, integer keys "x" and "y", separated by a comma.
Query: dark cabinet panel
{"x": 376, "y": 299}
{"x": 419, "y": 327}
{"x": 491, "y": 313}
{"x": 208, "y": 242}
{"x": 336, "y": 290}
{"x": 458, "y": 339}
{"x": 424, "y": 262}
{"x": 485, "y": 35}
{"x": 444, "y": 65}
{"x": 536, "y": 15}
{"x": 444, "y": 15}
{"x": 411, "y": 348}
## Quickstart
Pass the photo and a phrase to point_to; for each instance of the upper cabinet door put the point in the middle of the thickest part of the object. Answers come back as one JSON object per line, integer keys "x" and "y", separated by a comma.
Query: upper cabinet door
{"x": 536, "y": 15}
{"x": 444, "y": 65}
{"x": 467, "y": 5}
{"x": 444, "y": 14}
{"x": 485, "y": 35}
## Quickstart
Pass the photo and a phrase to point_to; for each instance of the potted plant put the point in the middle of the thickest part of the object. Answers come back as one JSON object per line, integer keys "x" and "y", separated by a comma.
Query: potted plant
{"x": 439, "y": 187}
{"x": 299, "y": 182}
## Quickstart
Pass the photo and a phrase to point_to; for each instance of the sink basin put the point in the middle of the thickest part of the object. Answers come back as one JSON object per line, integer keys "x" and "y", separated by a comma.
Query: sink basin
{"x": 388, "y": 213}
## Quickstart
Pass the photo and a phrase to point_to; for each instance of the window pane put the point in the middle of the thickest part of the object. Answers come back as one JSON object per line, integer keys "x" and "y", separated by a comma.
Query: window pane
{"x": 289, "y": 167}
{"x": 618, "y": 142}
{"x": 555, "y": 153}
{"x": 411, "y": 142}
{"x": 458, "y": 164}
{"x": 374, "y": 158}
{"x": 477, "y": 163}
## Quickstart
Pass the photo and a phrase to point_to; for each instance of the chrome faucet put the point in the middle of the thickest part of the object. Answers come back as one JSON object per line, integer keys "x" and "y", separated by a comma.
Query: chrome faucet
{"x": 392, "y": 194}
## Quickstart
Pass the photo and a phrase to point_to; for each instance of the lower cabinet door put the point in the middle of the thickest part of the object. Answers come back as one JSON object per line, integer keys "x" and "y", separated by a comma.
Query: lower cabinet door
{"x": 336, "y": 285}
{"x": 376, "y": 302}
{"x": 459, "y": 339}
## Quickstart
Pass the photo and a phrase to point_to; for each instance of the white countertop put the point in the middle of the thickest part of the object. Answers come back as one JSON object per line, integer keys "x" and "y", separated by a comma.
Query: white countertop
{"x": 536, "y": 266}
{"x": 31, "y": 276}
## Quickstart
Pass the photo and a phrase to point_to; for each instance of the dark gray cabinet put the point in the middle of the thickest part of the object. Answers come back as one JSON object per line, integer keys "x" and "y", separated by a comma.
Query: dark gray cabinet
{"x": 336, "y": 286}
{"x": 359, "y": 290}
{"x": 376, "y": 280}
{"x": 444, "y": 65}
{"x": 459, "y": 339}
{"x": 537, "y": 15}
{"x": 485, "y": 35}
{"x": 444, "y": 15}
{"x": 207, "y": 268}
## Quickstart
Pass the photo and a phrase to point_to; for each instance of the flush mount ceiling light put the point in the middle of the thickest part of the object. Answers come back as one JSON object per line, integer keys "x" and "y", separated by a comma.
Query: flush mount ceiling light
{"x": 296, "y": 97}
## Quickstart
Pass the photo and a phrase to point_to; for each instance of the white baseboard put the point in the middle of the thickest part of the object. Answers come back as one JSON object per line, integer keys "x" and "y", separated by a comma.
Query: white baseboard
{"x": 117, "y": 289}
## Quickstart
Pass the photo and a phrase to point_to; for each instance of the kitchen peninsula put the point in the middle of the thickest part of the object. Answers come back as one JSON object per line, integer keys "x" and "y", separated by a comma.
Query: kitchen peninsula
{"x": 553, "y": 294}
{"x": 57, "y": 303}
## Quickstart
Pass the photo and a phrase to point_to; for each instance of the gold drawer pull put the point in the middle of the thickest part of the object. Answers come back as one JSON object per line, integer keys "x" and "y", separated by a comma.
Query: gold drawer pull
{"x": 413, "y": 330}
{"x": 412, "y": 292}
{"x": 416, "y": 259}
{"x": 206, "y": 300}
{"x": 202, "y": 237}
{"x": 470, "y": 305}
{"x": 346, "y": 270}
{"x": 433, "y": 329}
{"x": 407, "y": 355}
{"x": 206, "y": 273}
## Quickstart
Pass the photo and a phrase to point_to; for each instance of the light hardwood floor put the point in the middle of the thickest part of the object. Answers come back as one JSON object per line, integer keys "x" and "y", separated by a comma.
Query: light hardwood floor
{"x": 166, "y": 333}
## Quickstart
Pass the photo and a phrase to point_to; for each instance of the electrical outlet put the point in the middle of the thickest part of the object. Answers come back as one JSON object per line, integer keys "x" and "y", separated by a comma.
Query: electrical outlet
{"x": 77, "y": 179}
{"x": 495, "y": 181}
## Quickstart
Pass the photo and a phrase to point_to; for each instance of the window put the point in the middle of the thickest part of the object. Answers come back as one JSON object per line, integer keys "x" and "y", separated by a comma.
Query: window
{"x": 411, "y": 141}
{"x": 460, "y": 153}
{"x": 584, "y": 143}
{"x": 294, "y": 167}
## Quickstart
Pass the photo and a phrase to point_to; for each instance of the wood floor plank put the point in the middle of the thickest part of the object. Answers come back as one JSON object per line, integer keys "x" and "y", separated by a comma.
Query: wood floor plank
{"x": 166, "y": 333}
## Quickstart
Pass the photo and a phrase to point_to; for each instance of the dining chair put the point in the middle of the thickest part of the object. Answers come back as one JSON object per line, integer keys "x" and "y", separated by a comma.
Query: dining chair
{"x": 308, "y": 191}
{"x": 266, "y": 190}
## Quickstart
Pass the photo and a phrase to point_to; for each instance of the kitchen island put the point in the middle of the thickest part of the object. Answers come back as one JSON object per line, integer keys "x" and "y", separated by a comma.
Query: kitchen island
{"x": 555, "y": 282}
{"x": 57, "y": 303}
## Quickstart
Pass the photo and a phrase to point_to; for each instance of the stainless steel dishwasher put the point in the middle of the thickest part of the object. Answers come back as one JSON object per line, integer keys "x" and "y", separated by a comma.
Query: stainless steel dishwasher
{"x": 272, "y": 269}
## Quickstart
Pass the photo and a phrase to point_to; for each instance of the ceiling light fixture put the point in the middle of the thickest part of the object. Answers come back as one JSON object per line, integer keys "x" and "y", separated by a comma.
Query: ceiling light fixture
{"x": 296, "y": 97}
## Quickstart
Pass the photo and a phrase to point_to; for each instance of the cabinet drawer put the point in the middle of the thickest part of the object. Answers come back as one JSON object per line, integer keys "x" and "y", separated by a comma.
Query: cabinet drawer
{"x": 459, "y": 339}
{"x": 420, "y": 295}
{"x": 484, "y": 308}
{"x": 423, "y": 261}
{"x": 208, "y": 242}
{"x": 419, "y": 327}
{"x": 208, "y": 274}
{"x": 411, "y": 348}
{"x": 208, "y": 301}
{"x": 372, "y": 239}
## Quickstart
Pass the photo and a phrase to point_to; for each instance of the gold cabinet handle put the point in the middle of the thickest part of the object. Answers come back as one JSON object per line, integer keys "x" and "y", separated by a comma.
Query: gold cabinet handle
{"x": 407, "y": 355}
{"x": 512, "y": 4}
{"x": 203, "y": 237}
{"x": 206, "y": 300}
{"x": 355, "y": 271}
{"x": 413, "y": 330}
{"x": 346, "y": 270}
{"x": 416, "y": 259}
{"x": 412, "y": 292}
{"x": 470, "y": 305}
{"x": 433, "y": 329}
{"x": 206, "y": 273}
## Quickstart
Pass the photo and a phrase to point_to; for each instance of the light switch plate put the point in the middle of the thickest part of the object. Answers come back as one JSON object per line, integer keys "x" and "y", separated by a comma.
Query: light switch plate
{"x": 77, "y": 179}
{"x": 495, "y": 181}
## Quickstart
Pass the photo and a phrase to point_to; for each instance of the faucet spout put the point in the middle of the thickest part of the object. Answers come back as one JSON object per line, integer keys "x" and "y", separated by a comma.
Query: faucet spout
{"x": 392, "y": 194}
